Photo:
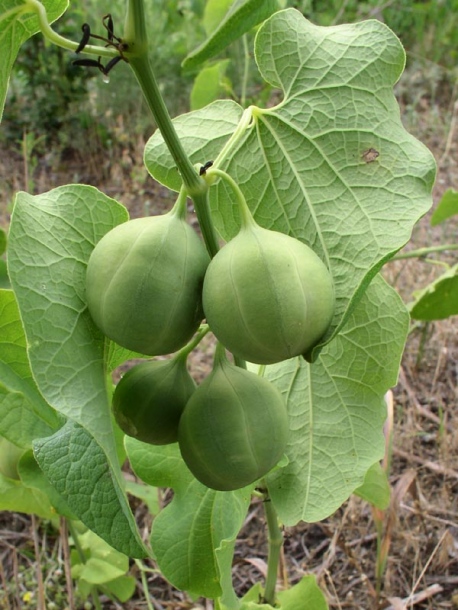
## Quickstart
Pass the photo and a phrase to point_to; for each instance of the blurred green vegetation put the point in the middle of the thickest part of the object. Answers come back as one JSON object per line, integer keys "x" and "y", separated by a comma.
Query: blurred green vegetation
{"x": 427, "y": 28}
{"x": 47, "y": 92}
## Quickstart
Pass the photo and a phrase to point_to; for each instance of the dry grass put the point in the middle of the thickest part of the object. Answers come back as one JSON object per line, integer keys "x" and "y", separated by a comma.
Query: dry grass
{"x": 419, "y": 531}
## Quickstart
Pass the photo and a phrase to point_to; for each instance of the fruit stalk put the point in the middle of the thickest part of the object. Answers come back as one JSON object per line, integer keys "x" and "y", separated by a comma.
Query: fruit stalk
{"x": 246, "y": 217}
{"x": 136, "y": 37}
{"x": 187, "y": 349}
{"x": 275, "y": 544}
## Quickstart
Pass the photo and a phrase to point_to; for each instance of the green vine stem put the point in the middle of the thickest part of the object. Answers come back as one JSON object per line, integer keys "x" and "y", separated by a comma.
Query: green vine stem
{"x": 136, "y": 40}
{"x": 143, "y": 571}
{"x": 144, "y": 73}
{"x": 246, "y": 68}
{"x": 135, "y": 36}
{"x": 82, "y": 556}
{"x": 37, "y": 7}
{"x": 423, "y": 252}
{"x": 202, "y": 208}
{"x": 275, "y": 545}
{"x": 205, "y": 223}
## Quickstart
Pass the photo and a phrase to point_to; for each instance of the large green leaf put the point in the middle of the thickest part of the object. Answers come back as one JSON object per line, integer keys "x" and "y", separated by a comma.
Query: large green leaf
{"x": 214, "y": 13}
{"x": 79, "y": 470}
{"x": 331, "y": 164}
{"x": 439, "y": 300}
{"x": 33, "y": 477}
{"x": 24, "y": 414}
{"x": 337, "y": 409}
{"x": 208, "y": 84}
{"x": 446, "y": 208}
{"x": 304, "y": 595}
{"x": 240, "y": 18}
{"x": 203, "y": 134}
{"x": 16, "y": 497}
{"x": 376, "y": 487}
{"x": 193, "y": 537}
{"x": 18, "y": 22}
{"x": 51, "y": 238}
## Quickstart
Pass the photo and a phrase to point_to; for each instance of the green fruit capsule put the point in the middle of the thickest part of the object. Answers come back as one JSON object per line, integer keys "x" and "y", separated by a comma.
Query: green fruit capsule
{"x": 144, "y": 284}
{"x": 267, "y": 296}
{"x": 234, "y": 428}
{"x": 149, "y": 400}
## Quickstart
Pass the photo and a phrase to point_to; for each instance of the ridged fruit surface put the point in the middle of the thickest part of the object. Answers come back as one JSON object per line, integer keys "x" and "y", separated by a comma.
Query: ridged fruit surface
{"x": 234, "y": 428}
{"x": 267, "y": 296}
{"x": 144, "y": 284}
{"x": 149, "y": 400}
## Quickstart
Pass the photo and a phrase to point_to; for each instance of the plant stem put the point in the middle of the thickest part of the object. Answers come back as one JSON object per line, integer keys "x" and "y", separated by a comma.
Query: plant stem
{"x": 423, "y": 252}
{"x": 141, "y": 567}
{"x": 67, "y": 562}
{"x": 36, "y": 7}
{"x": 187, "y": 349}
{"x": 82, "y": 556}
{"x": 275, "y": 544}
{"x": 202, "y": 208}
{"x": 246, "y": 217}
{"x": 144, "y": 73}
{"x": 136, "y": 38}
{"x": 246, "y": 68}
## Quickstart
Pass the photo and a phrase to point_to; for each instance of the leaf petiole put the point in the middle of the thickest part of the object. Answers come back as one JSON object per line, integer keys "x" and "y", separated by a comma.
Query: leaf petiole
{"x": 242, "y": 127}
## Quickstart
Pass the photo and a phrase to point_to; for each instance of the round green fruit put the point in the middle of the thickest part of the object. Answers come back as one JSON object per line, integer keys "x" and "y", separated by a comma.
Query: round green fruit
{"x": 234, "y": 428}
{"x": 144, "y": 284}
{"x": 149, "y": 400}
{"x": 267, "y": 296}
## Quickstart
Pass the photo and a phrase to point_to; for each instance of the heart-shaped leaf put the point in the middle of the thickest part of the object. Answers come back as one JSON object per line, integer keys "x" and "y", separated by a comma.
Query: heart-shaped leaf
{"x": 331, "y": 164}
{"x": 337, "y": 409}
{"x": 51, "y": 238}
{"x": 193, "y": 537}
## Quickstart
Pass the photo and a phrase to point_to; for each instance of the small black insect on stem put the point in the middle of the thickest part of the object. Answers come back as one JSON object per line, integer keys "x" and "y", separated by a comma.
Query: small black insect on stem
{"x": 111, "y": 41}
{"x": 203, "y": 169}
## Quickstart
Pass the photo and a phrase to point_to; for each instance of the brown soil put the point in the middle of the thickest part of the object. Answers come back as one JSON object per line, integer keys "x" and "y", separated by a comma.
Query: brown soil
{"x": 419, "y": 532}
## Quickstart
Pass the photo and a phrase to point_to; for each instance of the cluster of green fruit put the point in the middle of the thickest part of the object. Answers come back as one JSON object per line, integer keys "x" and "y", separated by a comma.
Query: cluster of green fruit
{"x": 266, "y": 297}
